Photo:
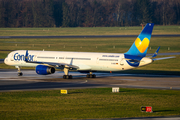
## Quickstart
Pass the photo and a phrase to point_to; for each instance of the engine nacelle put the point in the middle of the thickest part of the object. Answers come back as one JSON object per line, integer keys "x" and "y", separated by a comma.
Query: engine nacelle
{"x": 44, "y": 70}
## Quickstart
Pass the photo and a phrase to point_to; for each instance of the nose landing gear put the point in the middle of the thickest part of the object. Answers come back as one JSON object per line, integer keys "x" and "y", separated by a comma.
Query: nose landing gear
{"x": 19, "y": 71}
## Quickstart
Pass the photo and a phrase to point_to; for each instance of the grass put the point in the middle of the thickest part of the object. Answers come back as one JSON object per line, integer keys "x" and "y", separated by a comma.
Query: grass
{"x": 88, "y": 103}
{"x": 87, "y": 44}
{"x": 85, "y": 31}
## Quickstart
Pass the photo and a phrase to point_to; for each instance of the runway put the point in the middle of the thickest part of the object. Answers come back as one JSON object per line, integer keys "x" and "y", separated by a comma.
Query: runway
{"x": 9, "y": 81}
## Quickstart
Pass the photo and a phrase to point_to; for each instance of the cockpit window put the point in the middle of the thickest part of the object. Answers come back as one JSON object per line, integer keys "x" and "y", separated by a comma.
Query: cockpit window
{"x": 11, "y": 57}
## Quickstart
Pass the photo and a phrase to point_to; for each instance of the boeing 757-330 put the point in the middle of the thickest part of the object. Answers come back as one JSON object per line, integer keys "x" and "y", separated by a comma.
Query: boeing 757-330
{"x": 46, "y": 62}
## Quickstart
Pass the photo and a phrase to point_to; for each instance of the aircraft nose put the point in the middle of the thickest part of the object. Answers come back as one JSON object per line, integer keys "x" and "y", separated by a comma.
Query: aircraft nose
{"x": 5, "y": 60}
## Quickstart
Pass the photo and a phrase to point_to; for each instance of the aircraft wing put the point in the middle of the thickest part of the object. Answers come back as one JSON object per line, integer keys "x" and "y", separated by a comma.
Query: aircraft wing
{"x": 54, "y": 64}
{"x": 163, "y": 58}
{"x": 64, "y": 65}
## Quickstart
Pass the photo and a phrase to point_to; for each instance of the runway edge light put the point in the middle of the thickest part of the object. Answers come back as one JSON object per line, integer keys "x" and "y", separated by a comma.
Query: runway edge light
{"x": 146, "y": 109}
{"x": 64, "y": 91}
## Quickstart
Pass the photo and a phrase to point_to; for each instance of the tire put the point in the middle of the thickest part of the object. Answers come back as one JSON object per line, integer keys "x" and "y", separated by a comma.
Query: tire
{"x": 88, "y": 76}
{"x": 64, "y": 76}
{"x": 70, "y": 76}
{"x": 20, "y": 74}
{"x": 67, "y": 76}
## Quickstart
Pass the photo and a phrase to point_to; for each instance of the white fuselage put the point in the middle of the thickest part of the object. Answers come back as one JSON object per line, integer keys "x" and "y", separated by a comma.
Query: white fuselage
{"x": 85, "y": 61}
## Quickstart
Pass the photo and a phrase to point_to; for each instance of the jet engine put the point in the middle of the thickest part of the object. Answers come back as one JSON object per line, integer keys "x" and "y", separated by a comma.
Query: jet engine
{"x": 44, "y": 70}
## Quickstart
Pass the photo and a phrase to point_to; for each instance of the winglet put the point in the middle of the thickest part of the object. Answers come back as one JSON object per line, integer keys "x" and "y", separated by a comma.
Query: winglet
{"x": 155, "y": 54}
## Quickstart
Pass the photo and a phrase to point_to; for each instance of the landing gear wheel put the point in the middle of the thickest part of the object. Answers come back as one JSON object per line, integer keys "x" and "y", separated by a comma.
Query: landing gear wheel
{"x": 20, "y": 74}
{"x": 70, "y": 76}
{"x": 19, "y": 71}
{"x": 91, "y": 76}
{"x": 88, "y": 76}
{"x": 67, "y": 76}
{"x": 64, "y": 76}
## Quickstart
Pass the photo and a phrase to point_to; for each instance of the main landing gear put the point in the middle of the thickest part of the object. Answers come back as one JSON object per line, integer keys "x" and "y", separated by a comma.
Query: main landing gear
{"x": 90, "y": 75}
{"x": 67, "y": 76}
{"x": 66, "y": 72}
{"x": 19, "y": 71}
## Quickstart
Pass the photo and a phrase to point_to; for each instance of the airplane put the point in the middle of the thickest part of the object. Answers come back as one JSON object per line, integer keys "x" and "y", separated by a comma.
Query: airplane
{"x": 46, "y": 62}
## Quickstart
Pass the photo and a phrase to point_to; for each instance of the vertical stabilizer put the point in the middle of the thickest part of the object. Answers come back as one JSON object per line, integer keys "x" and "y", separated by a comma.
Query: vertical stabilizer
{"x": 141, "y": 44}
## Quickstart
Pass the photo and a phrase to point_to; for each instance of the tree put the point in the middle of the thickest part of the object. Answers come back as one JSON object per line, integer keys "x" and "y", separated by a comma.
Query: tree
{"x": 142, "y": 12}
{"x": 11, "y": 13}
{"x": 2, "y": 14}
{"x": 89, "y": 13}
{"x": 66, "y": 19}
{"x": 57, "y": 13}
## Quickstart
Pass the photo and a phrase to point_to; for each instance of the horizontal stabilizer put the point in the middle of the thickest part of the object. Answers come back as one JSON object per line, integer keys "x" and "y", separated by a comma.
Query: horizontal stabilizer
{"x": 163, "y": 58}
